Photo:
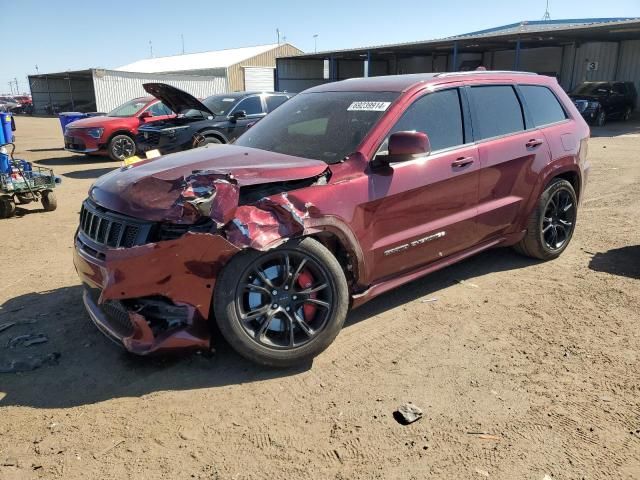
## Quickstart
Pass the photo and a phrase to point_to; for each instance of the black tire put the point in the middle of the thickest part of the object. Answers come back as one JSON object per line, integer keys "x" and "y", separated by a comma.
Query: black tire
{"x": 314, "y": 335}
{"x": 49, "y": 201}
{"x": 538, "y": 241}
{"x": 601, "y": 119}
{"x": 7, "y": 207}
{"x": 202, "y": 141}
{"x": 121, "y": 147}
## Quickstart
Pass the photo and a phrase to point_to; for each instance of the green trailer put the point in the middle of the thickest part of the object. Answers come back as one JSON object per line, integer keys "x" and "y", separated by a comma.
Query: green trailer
{"x": 23, "y": 183}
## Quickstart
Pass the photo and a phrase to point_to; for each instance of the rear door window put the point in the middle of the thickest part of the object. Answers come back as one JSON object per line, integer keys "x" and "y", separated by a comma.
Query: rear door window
{"x": 274, "y": 101}
{"x": 437, "y": 114}
{"x": 542, "y": 104}
{"x": 497, "y": 111}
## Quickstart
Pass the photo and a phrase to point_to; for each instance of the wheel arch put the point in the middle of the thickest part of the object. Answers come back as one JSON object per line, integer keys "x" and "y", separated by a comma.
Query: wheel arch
{"x": 120, "y": 132}
{"x": 340, "y": 241}
{"x": 212, "y": 133}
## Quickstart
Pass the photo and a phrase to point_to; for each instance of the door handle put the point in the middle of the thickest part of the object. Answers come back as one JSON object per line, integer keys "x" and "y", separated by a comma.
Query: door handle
{"x": 462, "y": 162}
{"x": 534, "y": 142}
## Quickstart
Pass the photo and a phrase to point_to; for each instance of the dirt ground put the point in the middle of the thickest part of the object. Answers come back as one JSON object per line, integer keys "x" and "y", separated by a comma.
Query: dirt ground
{"x": 523, "y": 369}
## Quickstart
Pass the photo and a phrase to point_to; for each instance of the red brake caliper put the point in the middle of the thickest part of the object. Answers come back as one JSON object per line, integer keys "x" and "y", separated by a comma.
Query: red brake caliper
{"x": 305, "y": 280}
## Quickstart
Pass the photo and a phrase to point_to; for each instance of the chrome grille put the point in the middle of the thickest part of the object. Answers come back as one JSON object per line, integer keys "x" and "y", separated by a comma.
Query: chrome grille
{"x": 110, "y": 229}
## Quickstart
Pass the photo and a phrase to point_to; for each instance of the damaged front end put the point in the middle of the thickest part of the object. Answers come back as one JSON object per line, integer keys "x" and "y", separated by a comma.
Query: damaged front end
{"x": 150, "y": 278}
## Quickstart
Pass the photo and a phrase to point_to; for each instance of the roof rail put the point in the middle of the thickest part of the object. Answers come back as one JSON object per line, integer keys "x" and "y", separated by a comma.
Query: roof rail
{"x": 481, "y": 72}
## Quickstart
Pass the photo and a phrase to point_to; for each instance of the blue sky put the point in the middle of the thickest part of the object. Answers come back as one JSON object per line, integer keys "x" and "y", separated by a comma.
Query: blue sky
{"x": 59, "y": 35}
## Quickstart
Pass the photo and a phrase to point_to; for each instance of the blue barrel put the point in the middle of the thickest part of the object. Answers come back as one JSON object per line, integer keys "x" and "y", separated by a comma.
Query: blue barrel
{"x": 68, "y": 117}
{"x": 5, "y": 123}
{"x": 5, "y": 165}
{"x": 2, "y": 139}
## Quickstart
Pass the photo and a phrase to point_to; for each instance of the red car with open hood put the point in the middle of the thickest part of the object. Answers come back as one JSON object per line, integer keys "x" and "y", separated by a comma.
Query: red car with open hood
{"x": 114, "y": 134}
{"x": 344, "y": 192}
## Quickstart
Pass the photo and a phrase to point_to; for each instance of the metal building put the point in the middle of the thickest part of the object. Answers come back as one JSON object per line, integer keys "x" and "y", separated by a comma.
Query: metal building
{"x": 99, "y": 90}
{"x": 574, "y": 51}
{"x": 247, "y": 68}
{"x": 201, "y": 74}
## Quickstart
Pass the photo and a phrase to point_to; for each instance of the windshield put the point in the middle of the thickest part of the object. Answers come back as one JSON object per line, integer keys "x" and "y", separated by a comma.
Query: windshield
{"x": 592, "y": 89}
{"x": 325, "y": 126}
{"x": 221, "y": 104}
{"x": 128, "y": 109}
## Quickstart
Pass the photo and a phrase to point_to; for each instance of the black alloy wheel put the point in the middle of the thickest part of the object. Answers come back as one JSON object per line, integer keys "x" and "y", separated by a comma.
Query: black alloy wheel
{"x": 282, "y": 306}
{"x": 559, "y": 219}
{"x": 284, "y": 299}
{"x": 550, "y": 226}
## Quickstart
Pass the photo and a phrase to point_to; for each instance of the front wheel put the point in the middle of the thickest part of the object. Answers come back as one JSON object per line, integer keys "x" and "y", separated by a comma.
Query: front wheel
{"x": 284, "y": 306}
{"x": 202, "y": 141}
{"x": 121, "y": 147}
{"x": 551, "y": 225}
{"x": 49, "y": 201}
{"x": 601, "y": 119}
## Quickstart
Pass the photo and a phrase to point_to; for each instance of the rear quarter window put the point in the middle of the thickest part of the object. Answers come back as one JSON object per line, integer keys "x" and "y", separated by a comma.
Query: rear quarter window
{"x": 543, "y": 105}
{"x": 497, "y": 111}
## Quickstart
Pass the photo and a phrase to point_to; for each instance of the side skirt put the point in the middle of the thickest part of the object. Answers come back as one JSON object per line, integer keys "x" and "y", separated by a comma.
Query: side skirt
{"x": 386, "y": 285}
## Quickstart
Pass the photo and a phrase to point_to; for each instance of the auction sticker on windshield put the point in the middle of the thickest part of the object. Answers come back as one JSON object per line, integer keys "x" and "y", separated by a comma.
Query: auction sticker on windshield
{"x": 368, "y": 106}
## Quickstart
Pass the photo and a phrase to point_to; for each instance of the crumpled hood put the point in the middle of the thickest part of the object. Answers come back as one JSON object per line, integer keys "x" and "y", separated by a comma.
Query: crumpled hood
{"x": 171, "y": 187}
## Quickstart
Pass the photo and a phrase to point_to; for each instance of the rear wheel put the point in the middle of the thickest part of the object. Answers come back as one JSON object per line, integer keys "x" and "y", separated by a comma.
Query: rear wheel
{"x": 7, "y": 207}
{"x": 49, "y": 201}
{"x": 551, "y": 225}
{"x": 284, "y": 306}
{"x": 121, "y": 147}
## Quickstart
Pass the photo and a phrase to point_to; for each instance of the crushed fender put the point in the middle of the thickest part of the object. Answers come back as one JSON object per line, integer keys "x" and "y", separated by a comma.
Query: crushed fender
{"x": 263, "y": 224}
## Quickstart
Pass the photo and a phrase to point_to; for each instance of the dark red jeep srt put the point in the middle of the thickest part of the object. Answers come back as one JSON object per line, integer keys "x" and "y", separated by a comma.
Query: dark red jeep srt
{"x": 346, "y": 191}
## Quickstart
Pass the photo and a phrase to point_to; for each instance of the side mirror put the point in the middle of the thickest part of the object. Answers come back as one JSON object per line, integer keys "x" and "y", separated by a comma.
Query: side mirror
{"x": 404, "y": 146}
{"x": 237, "y": 115}
{"x": 145, "y": 114}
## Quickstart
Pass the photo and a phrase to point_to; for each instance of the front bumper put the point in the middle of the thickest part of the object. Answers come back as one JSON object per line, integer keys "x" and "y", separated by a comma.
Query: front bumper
{"x": 78, "y": 142}
{"x": 175, "y": 273}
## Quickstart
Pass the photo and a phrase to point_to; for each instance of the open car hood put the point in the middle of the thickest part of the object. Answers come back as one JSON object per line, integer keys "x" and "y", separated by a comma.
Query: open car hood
{"x": 162, "y": 190}
{"x": 174, "y": 98}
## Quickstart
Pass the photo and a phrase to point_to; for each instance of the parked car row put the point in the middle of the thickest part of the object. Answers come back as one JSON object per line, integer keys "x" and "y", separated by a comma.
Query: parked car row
{"x": 16, "y": 103}
{"x": 170, "y": 120}
{"x": 343, "y": 192}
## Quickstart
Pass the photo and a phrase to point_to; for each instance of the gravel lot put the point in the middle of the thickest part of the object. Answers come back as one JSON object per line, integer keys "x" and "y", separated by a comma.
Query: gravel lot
{"x": 523, "y": 369}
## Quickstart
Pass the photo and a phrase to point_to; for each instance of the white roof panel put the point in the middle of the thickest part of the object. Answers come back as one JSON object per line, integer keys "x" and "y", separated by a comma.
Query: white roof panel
{"x": 196, "y": 61}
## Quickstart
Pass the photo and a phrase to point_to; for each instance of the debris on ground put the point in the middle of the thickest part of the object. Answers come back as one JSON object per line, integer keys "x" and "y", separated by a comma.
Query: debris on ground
{"x": 482, "y": 472}
{"x": 429, "y": 300}
{"x": 8, "y": 325}
{"x": 30, "y": 363}
{"x": 484, "y": 435}
{"x": 407, "y": 413}
{"x": 28, "y": 340}
{"x": 468, "y": 284}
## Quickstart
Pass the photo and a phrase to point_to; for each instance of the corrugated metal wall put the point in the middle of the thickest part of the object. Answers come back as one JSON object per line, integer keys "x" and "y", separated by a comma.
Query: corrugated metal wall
{"x": 235, "y": 73}
{"x": 295, "y": 75}
{"x": 113, "y": 88}
{"x": 53, "y": 94}
{"x": 605, "y": 53}
{"x": 629, "y": 66}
